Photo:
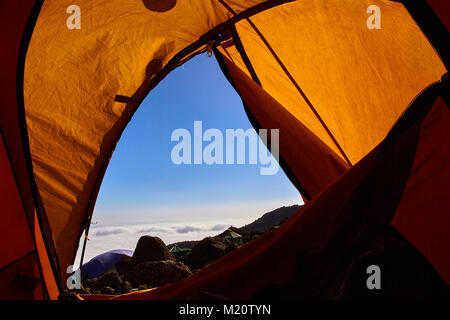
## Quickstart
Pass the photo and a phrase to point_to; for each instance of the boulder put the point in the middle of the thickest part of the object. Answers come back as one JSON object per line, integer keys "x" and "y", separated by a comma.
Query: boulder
{"x": 111, "y": 280}
{"x": 109, "y": 283}
{"x": 208, "y": 250}
{"x": 150, "y": 249}
{"x": 156, "y": 273}
{"x": 123, "y": 266}
{"x": 181, "y": 256}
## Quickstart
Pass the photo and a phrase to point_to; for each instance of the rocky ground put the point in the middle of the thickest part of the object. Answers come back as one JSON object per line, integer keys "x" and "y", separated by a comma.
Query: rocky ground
{"x": 153, "y": 265}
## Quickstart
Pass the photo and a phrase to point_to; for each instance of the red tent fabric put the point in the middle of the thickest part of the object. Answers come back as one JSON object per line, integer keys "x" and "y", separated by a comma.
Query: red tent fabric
{"x": 387, "y": 207}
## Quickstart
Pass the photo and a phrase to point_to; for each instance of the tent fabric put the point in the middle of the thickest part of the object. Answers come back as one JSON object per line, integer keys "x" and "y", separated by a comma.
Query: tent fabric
{"x": 71, "y": 80}
{"x": 105, "y": 261}
{"x": 18, "y": 245}
{"x": 25, "y": 265}
{"x": 422, "y": 215}
{"x": 313, "y": 164}
{"x": 313, "y": 69}
{"x": 15, "y": 229}
{"x": 440, "y": 8}
{"x": 330, "y": 239}
{"x": 388, "y": 68}
{"x": 416, "y": 226}
{"x": 72, "y": 142}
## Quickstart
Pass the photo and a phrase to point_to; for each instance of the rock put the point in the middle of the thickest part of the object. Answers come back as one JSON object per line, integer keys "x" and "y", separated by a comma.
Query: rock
{"x": 123, "y": 266}
{"x": 151, "y": 249}
{"x": 107, "y": 280}
{"x": 142, "y": 287}
{"x": 124, "y": 287}
{"x": 83, "y": 290}
{"x": 208, "y": 250}
{"x": 109, "y": 283}
{"x": 108, "y": 290}
{"x": 156, "y": 273}
{"x": 181, "y": 256}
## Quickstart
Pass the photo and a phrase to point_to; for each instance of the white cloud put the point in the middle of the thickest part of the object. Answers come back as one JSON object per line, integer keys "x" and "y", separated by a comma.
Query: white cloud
{"x": 110, "y": 232}
{"x": 103, "y": 238}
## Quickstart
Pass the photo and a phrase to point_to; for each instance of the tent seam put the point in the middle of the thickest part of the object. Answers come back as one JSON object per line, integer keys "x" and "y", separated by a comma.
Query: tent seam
{"x": 291, "y": 78}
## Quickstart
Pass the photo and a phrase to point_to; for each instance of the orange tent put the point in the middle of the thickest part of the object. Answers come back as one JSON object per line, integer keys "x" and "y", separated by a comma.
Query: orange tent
{"x": 361, "y": 108}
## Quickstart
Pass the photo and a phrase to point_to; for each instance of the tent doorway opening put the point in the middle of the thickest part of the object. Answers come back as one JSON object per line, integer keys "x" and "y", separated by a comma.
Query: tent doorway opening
{"x": 146, "y": 193}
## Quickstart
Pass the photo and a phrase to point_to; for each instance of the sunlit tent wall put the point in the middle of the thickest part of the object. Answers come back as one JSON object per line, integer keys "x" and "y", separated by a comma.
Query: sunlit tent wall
{"x": 313, "y": 69}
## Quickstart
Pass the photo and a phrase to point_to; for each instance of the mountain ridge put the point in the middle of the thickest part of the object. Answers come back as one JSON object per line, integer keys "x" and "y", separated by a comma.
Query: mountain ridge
{"x": 266, "y": 222}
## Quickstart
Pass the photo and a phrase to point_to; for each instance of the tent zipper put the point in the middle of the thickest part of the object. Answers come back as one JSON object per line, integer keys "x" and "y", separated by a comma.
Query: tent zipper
{"x": 414, "y": 100}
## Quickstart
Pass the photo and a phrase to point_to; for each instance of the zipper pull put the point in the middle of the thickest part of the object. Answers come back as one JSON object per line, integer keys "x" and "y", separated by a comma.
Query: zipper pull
{"x": 209, "y": 47}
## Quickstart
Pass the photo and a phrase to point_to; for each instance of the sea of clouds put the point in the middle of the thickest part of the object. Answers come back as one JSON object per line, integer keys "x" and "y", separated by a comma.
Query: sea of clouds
{"x": 103, "y": 238}
{"x": 112, "y": 229}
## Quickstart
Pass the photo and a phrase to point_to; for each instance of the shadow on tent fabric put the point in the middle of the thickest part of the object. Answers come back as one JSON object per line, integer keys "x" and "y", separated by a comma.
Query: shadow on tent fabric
{"x": 322, "y": 250}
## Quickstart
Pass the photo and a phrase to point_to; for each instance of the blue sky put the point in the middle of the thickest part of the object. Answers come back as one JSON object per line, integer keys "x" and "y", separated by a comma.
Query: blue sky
{"x": 142, "y": 183}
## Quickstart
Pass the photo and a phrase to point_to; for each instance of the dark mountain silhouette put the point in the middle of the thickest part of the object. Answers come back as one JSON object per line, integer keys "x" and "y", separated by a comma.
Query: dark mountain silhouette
{"x": 271, "y": 219}
{"x": 263, "y": 224}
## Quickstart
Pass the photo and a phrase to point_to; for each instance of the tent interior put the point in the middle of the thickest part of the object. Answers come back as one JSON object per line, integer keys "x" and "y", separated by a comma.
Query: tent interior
{"x": 362, "y": 112}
